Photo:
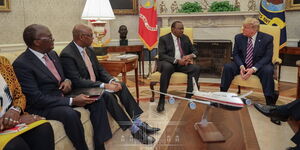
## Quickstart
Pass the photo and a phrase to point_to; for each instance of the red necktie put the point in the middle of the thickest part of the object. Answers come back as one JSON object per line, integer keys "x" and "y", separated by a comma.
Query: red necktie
{"x": 179, "y": 45}
{"x": 249, "y": 55}
{"x": 89, "y": 66}
{"x": 50, "y": 65}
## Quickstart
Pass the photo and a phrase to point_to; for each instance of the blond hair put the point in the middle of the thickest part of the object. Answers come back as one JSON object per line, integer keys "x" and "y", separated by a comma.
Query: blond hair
{"x": 253, "y": 22}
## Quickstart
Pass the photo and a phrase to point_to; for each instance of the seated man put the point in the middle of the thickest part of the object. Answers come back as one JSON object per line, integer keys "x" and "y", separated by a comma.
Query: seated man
{"x": 252, "y": 54}
{"x": 282, "y": 113}
{"x": 82, "y": 67}
{"x": 43, "y": 82}
{"x": 176, "y": 52}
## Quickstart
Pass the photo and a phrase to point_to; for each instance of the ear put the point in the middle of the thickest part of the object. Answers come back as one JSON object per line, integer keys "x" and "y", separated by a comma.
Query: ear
{"x": 36, "y": 42}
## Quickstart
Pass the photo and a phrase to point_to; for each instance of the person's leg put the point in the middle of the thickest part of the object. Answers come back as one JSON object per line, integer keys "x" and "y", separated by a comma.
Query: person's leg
{"x": 41, "y": 137}
{"x": 229, "y": 71}
{"x": 70, "y": 118}
{"x": 115, "y": 110}
{"x": 166, "y": 69}
{"x": 265, "y": 74}
{"x": 17, "y": 143}
{"x": 128, "y": 101}
{"x": 192, "y": 71}
{"x": 99, "y": 120}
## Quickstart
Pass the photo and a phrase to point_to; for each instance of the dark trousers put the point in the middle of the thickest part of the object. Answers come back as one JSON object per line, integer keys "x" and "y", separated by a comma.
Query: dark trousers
{"x": 128, "y": 101}
{"x": 265, "y": 74}
{"x": 167, "y": 69}
{"x": 38, "y": 138}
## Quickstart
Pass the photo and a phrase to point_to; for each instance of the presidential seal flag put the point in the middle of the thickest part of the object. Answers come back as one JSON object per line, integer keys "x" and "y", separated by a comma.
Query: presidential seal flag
{"x": 148, "y": 23}
{"x": 272, "y": 12}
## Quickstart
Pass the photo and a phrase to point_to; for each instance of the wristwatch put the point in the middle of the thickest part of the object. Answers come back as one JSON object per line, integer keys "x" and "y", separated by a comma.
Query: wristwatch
{"x": 16, "y": 108}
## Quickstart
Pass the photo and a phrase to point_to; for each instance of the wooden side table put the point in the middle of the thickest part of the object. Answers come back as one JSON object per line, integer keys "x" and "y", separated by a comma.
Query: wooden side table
{"x": 115, "y": 67}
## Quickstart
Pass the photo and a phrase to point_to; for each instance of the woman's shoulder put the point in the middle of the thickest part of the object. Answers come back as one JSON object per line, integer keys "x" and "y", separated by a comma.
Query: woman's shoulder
{"x": 4, "y": 60}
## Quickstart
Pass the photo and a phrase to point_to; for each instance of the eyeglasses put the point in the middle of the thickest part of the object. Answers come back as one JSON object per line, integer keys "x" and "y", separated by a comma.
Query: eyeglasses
{"x": 89, "y": 35}
{"x": 46, "y": 39}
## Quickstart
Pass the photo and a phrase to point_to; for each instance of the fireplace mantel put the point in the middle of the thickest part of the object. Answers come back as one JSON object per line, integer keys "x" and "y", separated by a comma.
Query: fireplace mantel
{"x": 208, "y": 19}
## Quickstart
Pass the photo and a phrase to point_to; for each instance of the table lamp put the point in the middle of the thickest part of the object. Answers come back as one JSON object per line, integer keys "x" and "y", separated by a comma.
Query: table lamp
{"x": 98, "y": 12}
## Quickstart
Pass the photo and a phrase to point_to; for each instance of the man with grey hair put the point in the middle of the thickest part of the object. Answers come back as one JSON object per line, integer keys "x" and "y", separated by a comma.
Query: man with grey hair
{"x": 252, "y": 54}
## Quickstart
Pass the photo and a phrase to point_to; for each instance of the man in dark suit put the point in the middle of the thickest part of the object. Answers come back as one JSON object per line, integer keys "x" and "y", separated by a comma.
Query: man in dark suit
{"x": 176, "y": 52}
{"x": 83, "y": 69}
{"x": 252, "y": 54}
{"x": 43, "y": 82}
{"x": 282, "y": 113}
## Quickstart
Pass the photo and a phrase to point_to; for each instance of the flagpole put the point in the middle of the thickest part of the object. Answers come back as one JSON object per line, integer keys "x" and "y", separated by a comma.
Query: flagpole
{"x": 149, "y": 65}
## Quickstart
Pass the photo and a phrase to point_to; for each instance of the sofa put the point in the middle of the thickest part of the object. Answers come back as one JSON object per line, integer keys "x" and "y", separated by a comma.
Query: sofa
{"x": 62, "y": 142}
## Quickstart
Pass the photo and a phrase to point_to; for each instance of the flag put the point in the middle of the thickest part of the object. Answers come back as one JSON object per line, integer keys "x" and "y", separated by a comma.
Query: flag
{"x": 272, "y": 12}
{"x": 148, "y": 23}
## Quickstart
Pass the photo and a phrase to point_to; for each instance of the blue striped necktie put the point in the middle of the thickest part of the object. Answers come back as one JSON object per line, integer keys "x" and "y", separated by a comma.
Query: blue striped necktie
{"x": 249, "y": 55}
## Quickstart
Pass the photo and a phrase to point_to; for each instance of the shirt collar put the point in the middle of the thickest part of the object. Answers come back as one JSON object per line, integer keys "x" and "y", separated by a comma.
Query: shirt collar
{"x": 37, "y": 54}
{"x": 81, "y": 49}
{"x": 254, "y": 36}
{"x": 174, "y": 37}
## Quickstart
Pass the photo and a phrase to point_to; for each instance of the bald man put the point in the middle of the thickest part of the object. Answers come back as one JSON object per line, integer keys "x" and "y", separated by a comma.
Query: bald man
{"x": 83, "y": 69}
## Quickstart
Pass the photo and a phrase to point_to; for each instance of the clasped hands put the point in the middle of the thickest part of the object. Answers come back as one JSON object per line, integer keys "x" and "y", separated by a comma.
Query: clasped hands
{"x": 185, "y": 60}
{"x": 246, "y": 73}
{"x": 12, "y": 118}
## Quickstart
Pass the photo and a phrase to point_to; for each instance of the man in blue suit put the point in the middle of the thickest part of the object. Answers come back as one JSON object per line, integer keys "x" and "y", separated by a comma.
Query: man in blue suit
{"x": 252, "y": 54}
{"x": 40, "y": 74}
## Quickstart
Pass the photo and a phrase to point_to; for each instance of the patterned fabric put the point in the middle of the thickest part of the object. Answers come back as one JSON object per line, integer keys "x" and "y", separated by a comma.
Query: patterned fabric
{"x": 249, "y": 55}
{"x": 5, "y": 97}
{"x": 8, "y": 74}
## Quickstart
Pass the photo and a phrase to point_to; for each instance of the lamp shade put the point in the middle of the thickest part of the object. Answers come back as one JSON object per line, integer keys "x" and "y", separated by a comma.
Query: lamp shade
{"x": 97, "y": 10}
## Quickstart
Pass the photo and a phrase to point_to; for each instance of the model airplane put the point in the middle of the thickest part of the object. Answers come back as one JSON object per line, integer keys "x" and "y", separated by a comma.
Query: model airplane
{"x": 225, "y": 100}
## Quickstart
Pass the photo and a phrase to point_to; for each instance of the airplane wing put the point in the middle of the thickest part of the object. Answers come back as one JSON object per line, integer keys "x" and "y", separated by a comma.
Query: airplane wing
{"x": 183, "y": 98}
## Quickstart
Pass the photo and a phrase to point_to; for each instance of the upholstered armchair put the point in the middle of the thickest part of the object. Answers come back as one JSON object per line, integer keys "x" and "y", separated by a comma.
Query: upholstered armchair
{"x": 177, "y": 77}
{"x": 254, "y": 81}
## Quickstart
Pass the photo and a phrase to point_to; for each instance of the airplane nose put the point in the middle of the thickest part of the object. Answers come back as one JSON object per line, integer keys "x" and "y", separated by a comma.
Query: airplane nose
{"x": 246, "y": 101}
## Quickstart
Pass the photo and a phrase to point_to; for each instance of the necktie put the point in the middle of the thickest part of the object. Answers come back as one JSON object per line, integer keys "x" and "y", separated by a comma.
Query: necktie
{"x": 249, "y": 55}
{"x": 179, "y": 45}
{"x": 89, "y": 66}
{"x": 51, "y": 67}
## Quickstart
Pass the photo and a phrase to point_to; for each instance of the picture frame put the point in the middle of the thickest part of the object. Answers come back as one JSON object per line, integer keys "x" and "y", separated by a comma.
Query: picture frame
{"x": 4, "y": 5}
{"x": 124, "y": 7}
{"x": 292, "y": 4}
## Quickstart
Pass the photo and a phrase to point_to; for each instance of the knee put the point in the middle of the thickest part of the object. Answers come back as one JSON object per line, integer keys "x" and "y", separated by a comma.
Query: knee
{"x": 227, "y": 67}
{"x": 267, "y": 70}
{"x": 45, "y": 130}
{"x": 70, "y": 113}
{"x": 166, "y": 67}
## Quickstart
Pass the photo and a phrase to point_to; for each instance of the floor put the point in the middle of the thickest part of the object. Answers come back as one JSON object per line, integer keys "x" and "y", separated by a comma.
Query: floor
{"x": 269, "y": 135}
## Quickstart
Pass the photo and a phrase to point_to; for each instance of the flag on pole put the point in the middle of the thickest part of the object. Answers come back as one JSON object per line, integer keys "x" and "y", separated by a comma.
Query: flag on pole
{"x": 148, "y": 23}
{"x": 272, "y": 12}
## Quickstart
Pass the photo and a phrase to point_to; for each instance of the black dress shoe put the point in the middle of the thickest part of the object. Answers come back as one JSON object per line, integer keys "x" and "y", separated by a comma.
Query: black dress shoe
{"x": 293, "y": 148}
{"x": 275, "y": 121}
{"x": 146, "y": 128}
{"x": 271, "y": 111}
{"x": 161, "y": 106}
{"x": 143, "y": 137}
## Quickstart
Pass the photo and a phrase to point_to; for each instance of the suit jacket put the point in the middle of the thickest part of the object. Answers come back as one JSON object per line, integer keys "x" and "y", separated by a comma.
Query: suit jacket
{"x": 166, "y": 48}
{"x": 7, "y": 71}
{"x": 262, "y": 52}
{"x": 76, "y": 70}
{"x": 39, "y": 85}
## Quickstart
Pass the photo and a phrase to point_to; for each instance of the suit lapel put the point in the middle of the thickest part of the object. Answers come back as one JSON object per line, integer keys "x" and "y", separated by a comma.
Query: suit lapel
{"x": 244, "y": 44}
{"x": 257, "y": 43}
{"x": 36, "y": 62}
{"x": 77, "y": 54}
{"x": 171, "y": 41}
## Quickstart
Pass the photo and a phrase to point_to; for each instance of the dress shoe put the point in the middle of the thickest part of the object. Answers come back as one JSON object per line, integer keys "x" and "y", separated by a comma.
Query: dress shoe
{"x": 275, "y": 121}
{"x": 293, "y": 148}
{"x": 143, "y": 137}
{"x": 148, "y": 129}
{"x": 161, "y": 106}
{"x": 271, "y": 111}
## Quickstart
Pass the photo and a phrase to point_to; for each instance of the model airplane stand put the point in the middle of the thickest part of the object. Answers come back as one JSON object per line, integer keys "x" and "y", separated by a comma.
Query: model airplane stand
{"x": 207, "y": 130}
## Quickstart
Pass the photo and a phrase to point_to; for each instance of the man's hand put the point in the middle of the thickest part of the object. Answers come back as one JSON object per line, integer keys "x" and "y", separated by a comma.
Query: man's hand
{"x": 242, "y": 71}
{"x": 28, "y": 119}
{"x": 249, "y": 72}
{"x": 65, "y": 86}
{"x": 118, "y": 84}
{"x": 82, "y": 100}
{"x": 10, "y": 119}
{"x": 113, "y": 87}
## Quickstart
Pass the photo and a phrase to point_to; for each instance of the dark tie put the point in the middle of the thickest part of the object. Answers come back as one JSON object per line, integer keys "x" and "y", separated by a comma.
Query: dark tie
{"x": 50, "y": 65}
{"x": 179, "y": 45}
{"x": 249, "y": 55}
{"x": 89, "y": 66}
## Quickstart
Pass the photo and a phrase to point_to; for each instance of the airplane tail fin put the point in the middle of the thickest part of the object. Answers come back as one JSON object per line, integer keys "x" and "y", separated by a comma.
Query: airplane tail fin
{"x": 195, "y": 87}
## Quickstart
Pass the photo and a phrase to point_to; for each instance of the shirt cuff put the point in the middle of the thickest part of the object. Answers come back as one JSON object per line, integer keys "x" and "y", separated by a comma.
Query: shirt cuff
{"x": 71, "y": 101}
{"x": 194, "y": 56}
{"x": 175, "y": 61}
{"x": 242, "y": 66}
{"x": 102, "y": 85}
{"x": 254, "y": 68}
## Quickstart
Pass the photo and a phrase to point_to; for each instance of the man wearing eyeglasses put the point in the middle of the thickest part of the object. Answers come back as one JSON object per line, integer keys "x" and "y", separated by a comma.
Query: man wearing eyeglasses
{"x": 44, "y": 84}
{"x": 83, "y": 69}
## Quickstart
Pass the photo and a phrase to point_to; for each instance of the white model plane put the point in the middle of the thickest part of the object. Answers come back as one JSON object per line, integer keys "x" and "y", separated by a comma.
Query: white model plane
{"x": 225, "y": 100}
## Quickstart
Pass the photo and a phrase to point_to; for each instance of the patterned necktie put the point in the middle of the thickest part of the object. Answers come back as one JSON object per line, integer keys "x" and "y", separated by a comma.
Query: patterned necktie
{"x": 50, "y": 65}
{"x": 249, "y": 55}
{"x": 179, "y": 45}
{"x": 89, "y": 66}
